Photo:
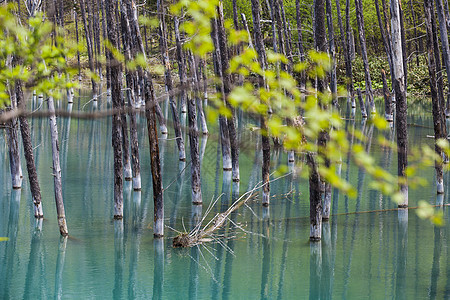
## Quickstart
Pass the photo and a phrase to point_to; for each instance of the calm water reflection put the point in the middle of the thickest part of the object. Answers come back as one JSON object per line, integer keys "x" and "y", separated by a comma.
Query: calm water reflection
{"x": 380, "y": 254}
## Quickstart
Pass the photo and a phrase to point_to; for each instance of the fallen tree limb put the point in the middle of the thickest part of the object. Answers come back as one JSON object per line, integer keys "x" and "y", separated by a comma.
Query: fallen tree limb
{"x": 199, "y": 235}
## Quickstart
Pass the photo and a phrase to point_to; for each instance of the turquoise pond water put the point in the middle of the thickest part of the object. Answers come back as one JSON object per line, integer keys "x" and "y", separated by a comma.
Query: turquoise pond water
{"x": 260, "y": 253}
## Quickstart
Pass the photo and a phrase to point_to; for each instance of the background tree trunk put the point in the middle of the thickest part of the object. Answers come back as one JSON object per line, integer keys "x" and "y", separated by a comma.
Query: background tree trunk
{"x": 362, "y": 41}
{"x": 259, "y": 47}
{"x": 400, "y": 97}
{"x": 57, "y": 170}
{"x": 438, "y": 117}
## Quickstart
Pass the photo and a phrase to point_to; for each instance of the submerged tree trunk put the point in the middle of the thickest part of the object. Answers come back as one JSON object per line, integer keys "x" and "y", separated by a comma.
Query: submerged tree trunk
{"x": 28, "y": 152}
{"x": 193, "y": 139}
{"x": 259, "y": 47}
{"x": 220, "y": 87}
{"x": 131, "y": 79}
{"x": 13, "y": 146}
{"x": 231, "y": 121}
{"x": 158, "y": 200}
{"x": 150, "y": 113}
{"x": 438, "y": 118}
{"x": 116, "y": 90}
{"x": 57, "y": 170}
{"x": 315, "y": 200}
{"x": 400, "y": 98}
{"x": 361, "y": 104}
{"x": 168, "y": 79}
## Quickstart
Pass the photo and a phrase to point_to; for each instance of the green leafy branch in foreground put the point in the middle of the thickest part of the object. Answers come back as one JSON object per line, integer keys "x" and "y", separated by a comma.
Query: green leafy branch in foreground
{"x": 28, "y": 53}
{"x": 287, "y": 103}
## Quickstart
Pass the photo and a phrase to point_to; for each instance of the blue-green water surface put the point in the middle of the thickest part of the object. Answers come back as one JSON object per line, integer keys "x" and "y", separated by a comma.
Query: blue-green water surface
{"x": 260, "y": 253}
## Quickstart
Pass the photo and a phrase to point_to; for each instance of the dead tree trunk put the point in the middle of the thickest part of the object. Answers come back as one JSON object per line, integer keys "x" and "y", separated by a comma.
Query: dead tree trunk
{"x": 387, "y": 98}
{"x": 301, "y": 51}
{"x": 78, "y": 42}
{"x": 223, "y": 126}
{"x": 89, "y": 46}
{"x": 201, "y": 76}
{"x": 168, "y": 79}
{"x": 193, "y": 138}
{"x": 361, "y": 104}
{"x": 158, "y": 200}
{"x": 131, "y": 79}
{"x": 28, "y": 152}
{"x": 259, "y": 47}
{"x": 332, "y": 53}
{"x": 128, "y": 174}
{"x": 150, "y": 112}
{"x": 315, "y": 199}
{"x": 14, "y": 155}
{"x": 439, "y": 81}
{"x": 445, "y": 46}
{"x": 181, "y": 65}
{"x": 13, "y": 146}
{"x": 400, "y": 97}
{"x": 386, "y": 40}
{"x": 348, "y": 65}
{"x": 116, "y": 90}
{"x": 438, "y": 118}
{"x": 418, "y": 40}
{"x": 231, "y": 121}
{"x": 57, "y": 170}
{"x": 362, "y": 40}
{"x": 315, "y": 207}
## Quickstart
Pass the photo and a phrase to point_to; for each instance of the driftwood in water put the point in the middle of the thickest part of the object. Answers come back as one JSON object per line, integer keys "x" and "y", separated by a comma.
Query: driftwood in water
{"x": 199, "y": 235}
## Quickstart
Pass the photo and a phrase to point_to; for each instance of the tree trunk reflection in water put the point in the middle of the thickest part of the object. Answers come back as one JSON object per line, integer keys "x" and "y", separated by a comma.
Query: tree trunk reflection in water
{"x": 60, "y": 267}
{"x": 158, "y": 271}
{"x": 355, "y": 226}
{"x": 401, "y": 255}
{"x": 138, "y": 220}
{"x": 118, "y": 259}
{"x": 265, "y": 286}
{"x": 196, "y": 217}
{"x": 315, "y": 269}
{"x": 289, "y": 199}
{"x": 435, "y": 269}
{"x": 31, "y": 276}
